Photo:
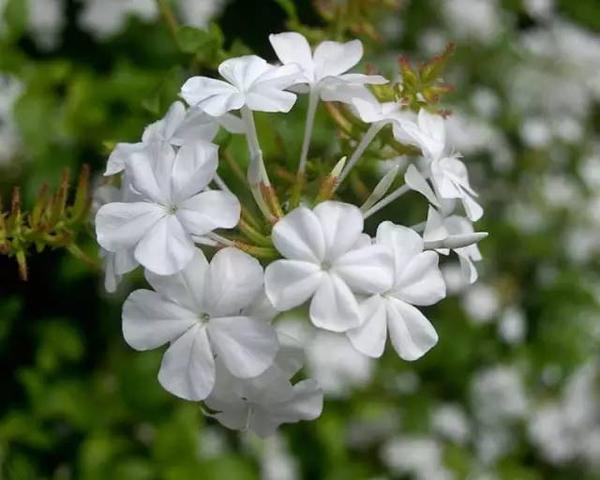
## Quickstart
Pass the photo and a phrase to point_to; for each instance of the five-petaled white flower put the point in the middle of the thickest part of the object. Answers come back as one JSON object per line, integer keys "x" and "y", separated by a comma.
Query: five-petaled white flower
{"x": 179, "y": 126}
{"x": 263, "y": 403}
{"x": 417, "y": 281}
{"x": 201, "y": 313}
{"x": 251, "y": 82}
{"x": 172, "y": 207}
{"x": 325, "y": 70}
{"x": 453, "y": 227}
{"x": 326, "y": 259}
{"x": 447, "y": 173}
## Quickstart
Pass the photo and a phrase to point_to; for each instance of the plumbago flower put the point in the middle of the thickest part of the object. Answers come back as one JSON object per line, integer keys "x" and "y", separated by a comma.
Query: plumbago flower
{"x": 172, "y": 207}
{"x": 202, "y": 312}
{"x": 448, "y": 173}
{"x": 165, "y": 207}
{"x": 326, "y": 261}
{"x": 417, "y": 281}
{"x": 179, "y": 126}
{"x": 250, "y": 82}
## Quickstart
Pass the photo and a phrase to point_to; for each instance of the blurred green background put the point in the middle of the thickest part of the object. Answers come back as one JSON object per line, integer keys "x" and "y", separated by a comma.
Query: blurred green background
{"x": 512, "y": 390}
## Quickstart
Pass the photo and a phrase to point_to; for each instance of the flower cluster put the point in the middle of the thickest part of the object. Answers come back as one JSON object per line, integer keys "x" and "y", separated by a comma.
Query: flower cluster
{"x": 172, "y": 209}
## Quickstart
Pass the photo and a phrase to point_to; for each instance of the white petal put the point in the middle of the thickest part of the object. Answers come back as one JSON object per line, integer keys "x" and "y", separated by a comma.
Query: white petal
{"x": 235, "y": 280}
{"x": 120, "y": 226}
{"x": 370, "y": 337}
{"x": 193, "y": 169}
{"x": 334, "y": 306}
{"x": 341, "y": 224}
{"x": 261, "y": 308}
{"x": 150, "y": 320}
{"x": 411, "y": 333}
{"x": 404, "y": 242}
{"x": 433, "y": 125}
{"x": 197, "y": 125}
{"x": 149, "y": 172}
{"x": 188, "y": 367}
{"x": 306, "y": 404}
{"x": 292, "y": 47}
{"x": 166, "y": 248}
{"x": 367, "y": 270}
{"x": 246, "y": 346}
{"x": 468, "y": 268}
{"x": 435, "y": 228}
{"x": 232, "y": 123}
{"x": 185, "y": 288}
{"x": 215, "y": 97}
{"x": 299, "y": 236}
{"x": 333, "y": 58}
{"x": 208, "y": 211}
{"x": 472, "y": 208}
{"x": 120, "y": 155}
{"x": 243, "y": 71}
{"x": 124, "y": 262}
{"x": 233, "y": 415}
{"x": 290, "y": 283}
{"x": 270, "y": 100}
{"x": 416, "y": 181}
{"x": 163, "y": 129}
{"x": 420, "y": 282}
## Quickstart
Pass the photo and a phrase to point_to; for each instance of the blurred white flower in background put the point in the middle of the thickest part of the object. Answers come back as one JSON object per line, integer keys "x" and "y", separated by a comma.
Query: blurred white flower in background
{"x": 451, "y": 421}
{"x": 45, "y": 22}
{"x": 198, "y": 13}
{"x": 478, "y": 19}
{"x": 421, "y": 457}
{"x": 481, "y": 303}
{"x": 106, "y": 18}
{"x": 10, "y": 90}
{"x": 568, "y": 429}
{"x": 498, "y": 395}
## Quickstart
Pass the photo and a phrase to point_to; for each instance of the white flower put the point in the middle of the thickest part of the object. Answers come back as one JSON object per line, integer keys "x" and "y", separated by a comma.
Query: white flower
{"x": 178, "y": 127}
{"x": 45, "y": 21}
{"x": 200, "y": 312}
{"x": 448, "y": 174}
{"x": 251, "y": 82}
{"x": 418, "y": 281}
{"x": 453, "y": 227}
{"x": 326, "y": 260}
{"x": 263, "y": 403}
{"x": 105, "y": 18}
{"x": 199, "y": 14}
{"x": 428, "y": 133}
{"x": 324, "y": 70}
{"x": 173, "y": 207}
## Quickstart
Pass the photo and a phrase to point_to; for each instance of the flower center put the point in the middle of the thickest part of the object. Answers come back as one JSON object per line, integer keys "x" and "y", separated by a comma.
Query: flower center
{"x": 203, "y": 317}
{"x": 325, "y": 265}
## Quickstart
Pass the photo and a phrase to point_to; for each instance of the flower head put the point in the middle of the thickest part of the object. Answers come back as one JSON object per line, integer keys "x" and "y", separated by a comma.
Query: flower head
{"x": 327, "y": 261}
{"x": 171, "y": 207}
{"x": 202, "y": 313}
